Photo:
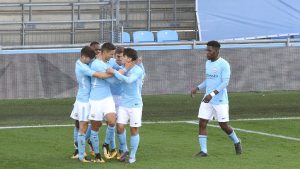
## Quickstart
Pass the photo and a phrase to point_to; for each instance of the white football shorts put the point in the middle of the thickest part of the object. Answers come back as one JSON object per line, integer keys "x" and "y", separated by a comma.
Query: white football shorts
{"x": 99, "y": 108}
{"x": 219, "y": 111}
{"x": 134, "y": 115}
{"x": 117, "y": 100}
{"x": 81, "y": 111}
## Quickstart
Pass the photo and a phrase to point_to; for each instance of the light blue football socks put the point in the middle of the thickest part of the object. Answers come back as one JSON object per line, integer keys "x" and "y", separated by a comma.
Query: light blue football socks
{"x": 112, "y": 143}
{"x": 203, "y": 143}
{"x": 134, "y": 144}
{"x": 95, "y": 141}
{"x": 75, "y": 134}
{"x": 81, "y": 145}
{"x": 233, "y": 137}
{"x": 122, "y": 141}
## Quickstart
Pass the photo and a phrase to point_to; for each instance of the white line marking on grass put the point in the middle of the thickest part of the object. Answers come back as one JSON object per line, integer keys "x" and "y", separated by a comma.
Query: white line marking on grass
{"x": 190, "y": 122}
{"x": 70, "y": 125}
{"x": 276, "y": 118}
{"x": 254, "y": 132}
{"x": 38, "y": 126}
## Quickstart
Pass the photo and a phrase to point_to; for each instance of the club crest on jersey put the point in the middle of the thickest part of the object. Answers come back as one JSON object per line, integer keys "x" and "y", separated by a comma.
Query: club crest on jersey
{"x": 215, "y": 70}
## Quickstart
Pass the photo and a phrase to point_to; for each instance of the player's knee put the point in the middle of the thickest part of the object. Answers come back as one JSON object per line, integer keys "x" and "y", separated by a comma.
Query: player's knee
{"x": 120, "y": 129}
{"x": 111, "y": 119}
{"x": 96, "y": 125}
{"x": 134, "y": 131}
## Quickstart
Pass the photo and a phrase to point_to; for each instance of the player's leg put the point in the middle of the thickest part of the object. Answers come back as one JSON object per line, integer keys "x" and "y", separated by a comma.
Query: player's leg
{"x": 95, "y": 140}
{"x": 110, "y": 132}
{"x": 110, "y": 116}
{"x": 83, "y": 116}
{"x": 135, "y": 117}
{"x": 113, "y": 151}
{"x": 105, "y": 146}
{"x": 205, "y": 114}
{"x": 87, "y": 138}
{"x": 96, "y": 117}
{"x": 112, "y": 143}
{"x": 83, "y": 125}
{"x": 121, "y": 133}
{"x": 75, "y": 136}
{"x": 222, "y": 115}
{"x": 74, "y": 115}
{"x": 122, "y": 120}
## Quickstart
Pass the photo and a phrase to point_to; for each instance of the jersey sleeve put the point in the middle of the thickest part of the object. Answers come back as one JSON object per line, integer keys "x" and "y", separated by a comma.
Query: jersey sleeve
{"x": 202, "y": 85}
{"x": 133, "y": 77}
{"x": 87, "y": 71}
{"x": 225, "y": 75}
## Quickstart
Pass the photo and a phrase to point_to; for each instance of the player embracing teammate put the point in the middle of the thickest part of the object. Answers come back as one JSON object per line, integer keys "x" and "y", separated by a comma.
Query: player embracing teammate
{"x": 95, "y": 79}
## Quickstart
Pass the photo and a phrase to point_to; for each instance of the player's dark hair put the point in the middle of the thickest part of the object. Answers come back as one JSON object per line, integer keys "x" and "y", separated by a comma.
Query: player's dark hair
{"x": 94, "y": 43}
{"x": 88, "y": 52}
{"x": 214, "y": 44}
{"x": 131, "y": 53}
{"x": 107, "y": 47}
{"x": 120, "y": 49}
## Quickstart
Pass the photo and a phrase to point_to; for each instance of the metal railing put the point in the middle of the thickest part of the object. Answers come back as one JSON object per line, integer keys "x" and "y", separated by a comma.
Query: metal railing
{"x": 192, "y": 44}
{"x": 107, "y": 22}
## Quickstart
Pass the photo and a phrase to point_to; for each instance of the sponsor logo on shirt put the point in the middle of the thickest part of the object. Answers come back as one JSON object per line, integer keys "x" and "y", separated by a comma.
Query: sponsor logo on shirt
{"x": 211, "y": 76}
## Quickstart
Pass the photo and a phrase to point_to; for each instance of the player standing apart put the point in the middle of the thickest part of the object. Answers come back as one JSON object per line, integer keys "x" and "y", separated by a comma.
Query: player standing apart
{"x": 215, "y": 102}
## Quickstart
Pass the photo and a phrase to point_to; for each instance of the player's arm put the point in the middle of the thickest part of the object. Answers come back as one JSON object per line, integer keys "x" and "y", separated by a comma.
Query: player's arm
{"x": 197, "y": 88}
{"x": 102, "y": 75}
{"x": 126, "y": 79}
{"x": 112, "y": 79}
{"x": 225, "y": 78}
{"x": 97, "y": 72}
{"x": 94, "y": 73}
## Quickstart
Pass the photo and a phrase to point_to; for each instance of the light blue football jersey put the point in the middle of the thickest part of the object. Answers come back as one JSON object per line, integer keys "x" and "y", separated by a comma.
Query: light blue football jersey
{"x": 115, "y": 88}
{"x": 217, "y": 78}
{"x": 131, "y": 96}
{"x": 113, "y": 63}
{"x": 101, "y": 87}
{"x": 83, "y": 76}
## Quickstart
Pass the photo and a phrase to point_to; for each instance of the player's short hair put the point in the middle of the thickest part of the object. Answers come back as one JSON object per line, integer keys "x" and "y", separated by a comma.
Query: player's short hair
{"x": 131, "y": 53}
{"x": 88, "y": 52}
{"x": 107, "y": 46}
{"x": 119, "y": 49}
{"x": 214, "y": 44}
{"x": 94, "y": 43}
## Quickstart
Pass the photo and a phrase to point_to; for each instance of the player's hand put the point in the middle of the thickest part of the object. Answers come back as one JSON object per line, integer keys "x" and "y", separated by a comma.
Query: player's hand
{"x": 193, "y": 92}
{"x": 121, "y": 71}
{"x": 110, "y": 70}
{"x": 207, "y": 98}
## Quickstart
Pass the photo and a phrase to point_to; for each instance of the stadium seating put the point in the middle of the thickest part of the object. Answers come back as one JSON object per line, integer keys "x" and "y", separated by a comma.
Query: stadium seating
{"x": 167, "y": 36}
{"x": 143, "y": 36}
{"x": 125, "y": 37}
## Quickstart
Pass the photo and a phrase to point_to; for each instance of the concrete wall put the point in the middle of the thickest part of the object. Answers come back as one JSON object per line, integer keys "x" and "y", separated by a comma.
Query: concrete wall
{"x": 168, "y": 72}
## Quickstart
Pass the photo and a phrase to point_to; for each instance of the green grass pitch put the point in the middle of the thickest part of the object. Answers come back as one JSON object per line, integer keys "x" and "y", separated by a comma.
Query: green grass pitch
{"x": 162, "y": 146}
